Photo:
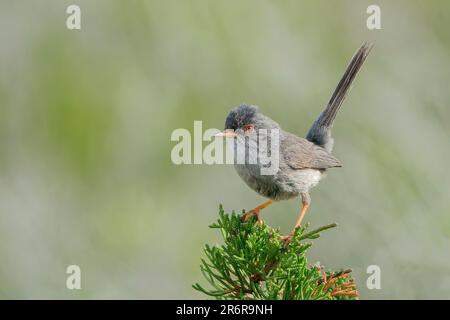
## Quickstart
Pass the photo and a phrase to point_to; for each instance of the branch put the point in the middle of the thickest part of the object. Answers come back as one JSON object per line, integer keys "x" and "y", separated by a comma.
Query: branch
{"x": 253, "y": 263}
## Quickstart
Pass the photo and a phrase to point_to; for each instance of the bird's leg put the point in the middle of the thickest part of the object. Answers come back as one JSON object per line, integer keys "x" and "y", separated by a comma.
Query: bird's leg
{"x": 255, "y": 212}
{"x": 306, "y": 200}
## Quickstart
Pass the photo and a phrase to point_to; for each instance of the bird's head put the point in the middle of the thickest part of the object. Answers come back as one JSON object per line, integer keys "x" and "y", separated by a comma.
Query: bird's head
{"x": 245, "y": 120}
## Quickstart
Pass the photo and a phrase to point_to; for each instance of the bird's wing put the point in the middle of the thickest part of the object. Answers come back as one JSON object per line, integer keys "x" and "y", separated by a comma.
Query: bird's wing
{"x": 300, "y": 153}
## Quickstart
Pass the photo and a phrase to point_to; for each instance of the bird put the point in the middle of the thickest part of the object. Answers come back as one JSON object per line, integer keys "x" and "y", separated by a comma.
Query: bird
{"x": 302, "y": 162}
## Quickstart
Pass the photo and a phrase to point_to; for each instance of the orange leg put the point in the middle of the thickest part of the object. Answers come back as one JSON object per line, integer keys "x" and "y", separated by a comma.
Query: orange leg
{"x": 256, "y": 212}
{"x": 306, "y": 200}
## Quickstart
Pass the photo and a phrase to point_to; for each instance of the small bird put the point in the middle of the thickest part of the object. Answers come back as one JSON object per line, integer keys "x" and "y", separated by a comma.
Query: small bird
{"x": 302, "y": 162}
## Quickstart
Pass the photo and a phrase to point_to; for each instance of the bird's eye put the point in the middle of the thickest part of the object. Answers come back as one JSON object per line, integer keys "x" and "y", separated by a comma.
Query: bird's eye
{"x": 248, "y": 127}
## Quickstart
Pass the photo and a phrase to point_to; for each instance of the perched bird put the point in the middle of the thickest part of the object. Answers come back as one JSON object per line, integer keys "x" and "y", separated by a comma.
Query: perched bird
{"x": 302, "y": 162}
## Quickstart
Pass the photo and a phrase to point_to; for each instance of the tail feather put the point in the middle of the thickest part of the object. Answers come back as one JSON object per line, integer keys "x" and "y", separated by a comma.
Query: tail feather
{"x": 320, "y": 132}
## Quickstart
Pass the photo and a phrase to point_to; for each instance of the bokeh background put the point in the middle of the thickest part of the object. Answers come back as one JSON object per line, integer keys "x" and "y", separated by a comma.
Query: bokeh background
{"x": 86, "y": 118}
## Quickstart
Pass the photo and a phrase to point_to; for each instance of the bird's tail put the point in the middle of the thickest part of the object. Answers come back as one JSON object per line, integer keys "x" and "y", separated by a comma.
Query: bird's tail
{"x": 320, "y": 132}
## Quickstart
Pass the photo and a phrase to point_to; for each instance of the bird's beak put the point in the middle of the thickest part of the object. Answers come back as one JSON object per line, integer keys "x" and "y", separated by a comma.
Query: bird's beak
{"x": 227, "y": 134}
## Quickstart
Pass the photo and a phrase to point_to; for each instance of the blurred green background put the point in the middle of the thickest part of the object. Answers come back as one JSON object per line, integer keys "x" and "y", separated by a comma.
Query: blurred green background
{"x": 86, "y": 118}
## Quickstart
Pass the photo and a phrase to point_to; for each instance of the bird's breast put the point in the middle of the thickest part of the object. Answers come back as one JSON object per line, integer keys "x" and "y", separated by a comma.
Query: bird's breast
{"x": 275, "y": 187}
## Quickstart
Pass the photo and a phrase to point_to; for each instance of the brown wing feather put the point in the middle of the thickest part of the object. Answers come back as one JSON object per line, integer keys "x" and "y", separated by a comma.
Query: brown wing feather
{"x": 300, "y": 153}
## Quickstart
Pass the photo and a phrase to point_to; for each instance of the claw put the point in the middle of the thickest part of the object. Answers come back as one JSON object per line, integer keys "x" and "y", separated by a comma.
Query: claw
{"x": 286, "y": 239}
{"x": 249, "y": 214}
{"x": 255, "y": 212}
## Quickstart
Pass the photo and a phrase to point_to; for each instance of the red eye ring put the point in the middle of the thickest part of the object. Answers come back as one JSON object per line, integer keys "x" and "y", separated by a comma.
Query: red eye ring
{"x": 248, "y": 127}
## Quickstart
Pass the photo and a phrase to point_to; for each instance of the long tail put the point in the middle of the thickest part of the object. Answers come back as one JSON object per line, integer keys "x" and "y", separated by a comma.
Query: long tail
{"x": 320, "y": 132}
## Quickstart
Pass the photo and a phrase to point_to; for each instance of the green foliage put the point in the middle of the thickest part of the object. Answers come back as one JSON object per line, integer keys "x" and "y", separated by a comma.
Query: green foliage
{"x": 254, "y": 263}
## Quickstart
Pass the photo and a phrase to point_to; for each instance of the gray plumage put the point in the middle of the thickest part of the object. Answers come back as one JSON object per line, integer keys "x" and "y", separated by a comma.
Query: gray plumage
{"x": 320, "y": 132}
{"x": 302, "y": 162}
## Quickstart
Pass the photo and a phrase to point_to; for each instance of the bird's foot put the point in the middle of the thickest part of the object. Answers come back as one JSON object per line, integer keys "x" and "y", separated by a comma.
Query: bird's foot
{"x": 286, "y": 239}
{"x": 251, "y": 213}
{"x": 255, "y": 212}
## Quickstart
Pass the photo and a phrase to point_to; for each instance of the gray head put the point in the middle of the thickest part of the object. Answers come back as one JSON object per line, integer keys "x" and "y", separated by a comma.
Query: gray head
{"x": 247, "y": 117}
{"x": 255, "y": 140}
